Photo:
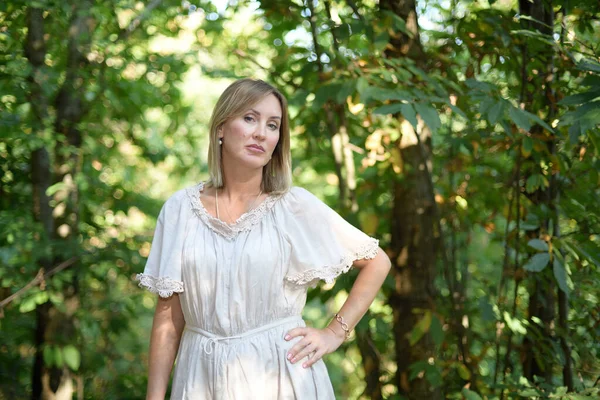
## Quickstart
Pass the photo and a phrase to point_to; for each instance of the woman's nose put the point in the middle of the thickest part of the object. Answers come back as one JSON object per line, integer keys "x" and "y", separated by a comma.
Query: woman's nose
{"x": 261, "y": 131}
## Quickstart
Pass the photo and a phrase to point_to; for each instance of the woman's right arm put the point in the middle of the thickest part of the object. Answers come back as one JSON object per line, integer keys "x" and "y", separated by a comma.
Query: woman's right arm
{"x": 167, "y": 328}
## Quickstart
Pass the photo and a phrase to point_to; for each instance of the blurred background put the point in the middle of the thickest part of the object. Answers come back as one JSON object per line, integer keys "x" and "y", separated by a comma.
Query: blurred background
{"x": 463, "y": 134}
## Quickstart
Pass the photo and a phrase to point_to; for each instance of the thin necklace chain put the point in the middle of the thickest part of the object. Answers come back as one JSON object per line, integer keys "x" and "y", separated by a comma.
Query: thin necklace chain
{"x": 227, "y": 208}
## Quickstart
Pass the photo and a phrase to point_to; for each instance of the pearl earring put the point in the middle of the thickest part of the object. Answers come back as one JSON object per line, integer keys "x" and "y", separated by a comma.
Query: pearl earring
{"x": 220, "y": 141}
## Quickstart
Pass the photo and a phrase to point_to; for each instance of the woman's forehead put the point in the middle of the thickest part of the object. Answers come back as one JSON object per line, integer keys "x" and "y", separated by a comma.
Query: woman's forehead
{"x": 269, "y": 107}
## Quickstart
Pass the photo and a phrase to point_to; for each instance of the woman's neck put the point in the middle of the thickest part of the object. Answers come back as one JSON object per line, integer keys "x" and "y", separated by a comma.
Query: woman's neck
{"x": 241, "y": 182}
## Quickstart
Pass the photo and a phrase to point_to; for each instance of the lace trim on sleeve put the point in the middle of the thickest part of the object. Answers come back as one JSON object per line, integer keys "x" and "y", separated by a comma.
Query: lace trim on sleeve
{"x": 329, "y": 273}
{"x": 164, "y": 287}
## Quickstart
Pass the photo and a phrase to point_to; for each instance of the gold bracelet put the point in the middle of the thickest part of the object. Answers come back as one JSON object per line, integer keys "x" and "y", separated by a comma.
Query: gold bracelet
{"x": 344, "y": 325}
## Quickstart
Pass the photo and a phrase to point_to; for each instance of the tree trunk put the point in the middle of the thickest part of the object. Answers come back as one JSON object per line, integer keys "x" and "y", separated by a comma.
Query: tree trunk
{"x": 55, "y": 327}
{"x": 35, "y": 51}
{"x": 336, "y": 139}
{"x": 371, "y": 361}
{"x": 412, "y": 241}
{"x": 413, "y": 222}
{"x": 542, "y": 301}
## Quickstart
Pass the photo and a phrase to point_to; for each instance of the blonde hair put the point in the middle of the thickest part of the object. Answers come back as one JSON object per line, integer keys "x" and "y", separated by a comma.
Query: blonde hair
{"x": 234, "y": 102}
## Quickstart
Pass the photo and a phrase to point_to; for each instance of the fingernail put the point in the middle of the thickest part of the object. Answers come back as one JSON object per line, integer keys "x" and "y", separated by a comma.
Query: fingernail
{"x": 289, "y": 356}
{"x": 304, "y": 365}
{"x": 287, "y": 337}
{"x": 294, "y": 360}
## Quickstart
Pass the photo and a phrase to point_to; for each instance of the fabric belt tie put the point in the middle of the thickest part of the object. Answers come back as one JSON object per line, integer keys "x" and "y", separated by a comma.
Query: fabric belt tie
{"x": 214, "y": 339}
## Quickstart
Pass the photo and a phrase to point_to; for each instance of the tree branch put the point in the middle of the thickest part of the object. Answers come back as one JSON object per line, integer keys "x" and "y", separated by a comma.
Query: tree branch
{"x": 354, "y": 8}
{"x": 246, "y": 56}
{"x": 312, "y": 19}
{"x": 125, "y": 33}
{"x": 41, "y": 276}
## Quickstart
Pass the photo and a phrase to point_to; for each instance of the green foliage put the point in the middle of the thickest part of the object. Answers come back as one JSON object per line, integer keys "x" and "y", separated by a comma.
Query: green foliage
{"x": 421, "y": 328}
{"x": 147, "y": 94}
{"x": 470, "y": 395}
{"x": 537, "y": 262}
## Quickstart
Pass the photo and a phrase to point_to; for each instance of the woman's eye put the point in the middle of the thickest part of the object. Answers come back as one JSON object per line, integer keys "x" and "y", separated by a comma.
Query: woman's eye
{"x": 249, "y": 118}
{"x": 273, "y": 126}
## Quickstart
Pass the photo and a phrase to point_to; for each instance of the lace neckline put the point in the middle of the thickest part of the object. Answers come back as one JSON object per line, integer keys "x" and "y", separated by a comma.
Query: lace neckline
{"x": 244, "y": 223}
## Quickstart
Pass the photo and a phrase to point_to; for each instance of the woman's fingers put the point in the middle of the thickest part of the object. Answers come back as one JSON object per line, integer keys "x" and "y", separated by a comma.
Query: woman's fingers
{"x": 293, "y": 353}
{"x": 309, "y": 348}
{"x": 301, "y": 331}
{"x": 315, "y": 341}
{"x": 313, "y": 359}
{"x": 296, "y": 349}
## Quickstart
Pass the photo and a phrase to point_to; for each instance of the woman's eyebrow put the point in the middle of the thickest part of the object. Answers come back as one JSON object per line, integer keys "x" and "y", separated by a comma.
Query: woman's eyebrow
{"x": 258, "y": 113}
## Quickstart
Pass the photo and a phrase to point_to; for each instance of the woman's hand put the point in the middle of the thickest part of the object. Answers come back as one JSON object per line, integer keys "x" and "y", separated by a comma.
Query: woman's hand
{"x": 317, "y": 341}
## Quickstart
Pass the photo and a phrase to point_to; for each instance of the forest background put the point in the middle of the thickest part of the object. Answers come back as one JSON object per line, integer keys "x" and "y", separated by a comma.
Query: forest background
{"x": 463, "y": 134}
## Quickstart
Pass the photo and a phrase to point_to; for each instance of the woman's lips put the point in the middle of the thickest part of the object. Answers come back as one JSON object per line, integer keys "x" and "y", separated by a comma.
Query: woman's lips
{"x": 257, "y": 148}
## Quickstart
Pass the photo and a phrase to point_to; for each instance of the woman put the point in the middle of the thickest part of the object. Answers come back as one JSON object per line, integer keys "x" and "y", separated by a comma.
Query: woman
{"x": 232, "y": 260}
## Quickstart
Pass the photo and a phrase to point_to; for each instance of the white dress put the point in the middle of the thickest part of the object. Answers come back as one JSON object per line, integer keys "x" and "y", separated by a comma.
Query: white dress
{"x": 242, "y": 286}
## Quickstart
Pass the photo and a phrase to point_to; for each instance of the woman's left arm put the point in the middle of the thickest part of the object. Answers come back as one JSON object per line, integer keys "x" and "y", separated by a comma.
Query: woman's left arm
{"x": 371, "y": 275}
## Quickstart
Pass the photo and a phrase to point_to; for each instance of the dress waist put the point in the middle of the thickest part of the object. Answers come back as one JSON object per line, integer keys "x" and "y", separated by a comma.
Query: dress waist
{"x": 213, "y": 339}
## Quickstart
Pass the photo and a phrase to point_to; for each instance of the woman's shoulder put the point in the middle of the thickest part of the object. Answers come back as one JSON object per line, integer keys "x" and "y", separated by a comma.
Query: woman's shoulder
{"x": 299, "y": 200}
{"x": 299, "y": 193}
{"x": 182, "y": 198}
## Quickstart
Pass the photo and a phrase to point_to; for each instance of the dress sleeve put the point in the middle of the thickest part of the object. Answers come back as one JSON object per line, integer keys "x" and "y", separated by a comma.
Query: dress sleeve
{"x": 162, "y": 274}
{"x": 323, "y": 244}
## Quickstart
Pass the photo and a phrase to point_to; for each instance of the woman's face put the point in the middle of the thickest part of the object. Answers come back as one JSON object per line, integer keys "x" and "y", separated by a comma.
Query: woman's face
{"x": 251, "y": 138}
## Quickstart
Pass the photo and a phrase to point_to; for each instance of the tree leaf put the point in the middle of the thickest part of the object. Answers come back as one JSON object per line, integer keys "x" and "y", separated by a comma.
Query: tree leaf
{"x": 496, "y": 111}
{"x": 408, "y": 112}
{"x": 534, "y": 182}
{"x": 48, "y": 355}
{"x": 377, "y": 93}
{"x": 595, "y": 139}
{"x": 388, "y": 109}
{"x": 72, "y": 357}
{"x": 589, "y": 65}
{"x": 361, "y": 85}
{"x": 534, "y": 118}
{"x": 458, "y": 111}
{"x": 464, "y": 372}
{"x": 436, "y": 330}
{"x": 31, "y": 302}
{"x": 562, "y": 390}
{"x": 574, "y": 132}
{"x": 514, "y": 324}
{"x": 585, "y": 254}
{"x": 519, "y": 117}
{"x": 531, "y": 223}
{"x": 580, "y": 98}
{"x": 429, "y": 115}
{"x": 538, "y": 262}
{"x": 486, "y": 310}
{"x": 433, "y": 375}
{"x": 538, "y": 244}
{"x": 534, "y": 35}
{"x": 529, "y": 392}
{"x": 470, "y": 395}
{"x": 560, "y": 274}
{"x": 415, "y": 368}
{"x": 420, "y": 328}
{"x": 27, "y": 305}
{"x": 345, "y": 90}
{"x": 38, "y": 4}
{"x": 527, "y": 146}
{"x": 486, "y": 104}
{"x": 58, "y": 356}
{"x": 55, "y": 188}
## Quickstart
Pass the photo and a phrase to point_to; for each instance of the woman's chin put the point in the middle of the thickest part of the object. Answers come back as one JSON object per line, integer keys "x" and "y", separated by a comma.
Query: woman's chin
{"x": 252, "y": 162}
